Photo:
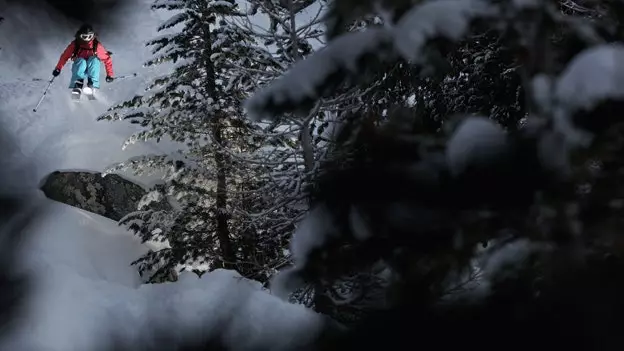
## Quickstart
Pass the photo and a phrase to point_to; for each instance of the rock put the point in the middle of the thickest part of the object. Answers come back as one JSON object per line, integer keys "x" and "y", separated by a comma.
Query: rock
{"x": 111, "y": 196}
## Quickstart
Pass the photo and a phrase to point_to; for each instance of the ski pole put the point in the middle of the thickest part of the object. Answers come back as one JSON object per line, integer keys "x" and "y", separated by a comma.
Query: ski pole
{"x": 126, "y": 76}
{"x": 44, "y": 94}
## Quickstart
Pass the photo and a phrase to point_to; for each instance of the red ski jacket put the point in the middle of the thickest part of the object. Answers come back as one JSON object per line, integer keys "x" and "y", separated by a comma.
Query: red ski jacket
{"x": 85, "y": 51}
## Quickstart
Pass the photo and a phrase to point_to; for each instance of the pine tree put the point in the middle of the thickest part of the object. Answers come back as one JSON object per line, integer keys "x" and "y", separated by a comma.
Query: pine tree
{"x": 198, "y": 104}
{"x": 301, "y": 140}
{"x": 282, "y": 165}
{"x": 420, "y": 204}
{"x": 290, "y": 41}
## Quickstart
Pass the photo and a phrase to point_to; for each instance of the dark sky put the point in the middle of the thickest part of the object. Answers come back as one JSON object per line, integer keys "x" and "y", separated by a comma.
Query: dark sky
{"x": 100, "y": 13}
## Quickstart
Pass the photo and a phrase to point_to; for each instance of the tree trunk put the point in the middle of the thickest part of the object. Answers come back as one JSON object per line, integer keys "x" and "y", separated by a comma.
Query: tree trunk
{"x": 307, "y": 148}
{"x": 322, "y": 303}
{"x": 228, "y": 256}
{"x": 223, "y": 231}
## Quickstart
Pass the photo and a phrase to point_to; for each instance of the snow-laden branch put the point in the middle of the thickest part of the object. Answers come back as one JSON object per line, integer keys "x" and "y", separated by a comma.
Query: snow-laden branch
{"x": 173, "y": 21}
{"x": 304, "y": 82}
{"x": 314, "y": 77}
{"x": 449, "y": 19}
{"x": 594, "y": 76}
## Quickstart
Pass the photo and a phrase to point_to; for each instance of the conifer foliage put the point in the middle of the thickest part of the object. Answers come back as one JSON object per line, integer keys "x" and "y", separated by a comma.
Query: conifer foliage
{"x": 198, "y": 104}
{"x": 420, "y": 206}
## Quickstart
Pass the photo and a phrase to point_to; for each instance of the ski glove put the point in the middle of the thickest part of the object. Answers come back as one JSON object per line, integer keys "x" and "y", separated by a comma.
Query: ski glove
{"x": 109, "y": 79}
{"x": 56, "y": 72}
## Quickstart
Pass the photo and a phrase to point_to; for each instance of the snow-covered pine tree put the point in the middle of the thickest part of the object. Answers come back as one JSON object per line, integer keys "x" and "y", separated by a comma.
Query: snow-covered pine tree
{"x": 198, "y": 104}
{"x": 420, "y": 205}
{"x": 293, "y": 31}
{"x": 277, "y": 170}
{"x": 298, "y": 146}
{"x": 294, "y": 147}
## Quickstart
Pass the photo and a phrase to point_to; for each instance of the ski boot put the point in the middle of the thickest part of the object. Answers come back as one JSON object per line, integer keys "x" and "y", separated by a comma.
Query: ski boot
{"x": 77, "y": 89}
{"x": 89, "y": 91}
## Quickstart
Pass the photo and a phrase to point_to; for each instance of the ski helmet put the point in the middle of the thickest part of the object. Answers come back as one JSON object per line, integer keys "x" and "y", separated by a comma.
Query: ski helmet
{"x": 85, "y": 33}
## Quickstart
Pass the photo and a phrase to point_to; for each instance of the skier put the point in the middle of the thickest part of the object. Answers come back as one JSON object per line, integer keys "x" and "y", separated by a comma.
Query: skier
{"x": 87, "y": 53}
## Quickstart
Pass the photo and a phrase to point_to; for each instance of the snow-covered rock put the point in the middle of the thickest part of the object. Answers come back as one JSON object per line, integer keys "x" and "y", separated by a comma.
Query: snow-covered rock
{"x": 111, "y": 196}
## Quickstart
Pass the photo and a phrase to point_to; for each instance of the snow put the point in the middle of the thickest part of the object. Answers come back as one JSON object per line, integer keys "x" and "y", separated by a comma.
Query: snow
{"x": 220, "y": 3}
{"x": 285, "y": 282}
{"x": 174, "y": 20}
{"x": 85, "y": 286}
{"x": 542, "y": 91}
{"x": 593, "y": 76}
{"x": 305, "y": 78}
{"x": 497, "y": 262}
{"x": 446, "y": 18}
{"x": 312, "y": 233}
{"x": 476, "y": 140}
{"x": 65, "y": 255}
{"x": 62, "y": 133}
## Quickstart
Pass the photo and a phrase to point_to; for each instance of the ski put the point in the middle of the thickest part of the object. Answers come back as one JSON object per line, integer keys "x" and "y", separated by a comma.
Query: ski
{"x": 77, "y": 91}
{"x": 75, "y": 94}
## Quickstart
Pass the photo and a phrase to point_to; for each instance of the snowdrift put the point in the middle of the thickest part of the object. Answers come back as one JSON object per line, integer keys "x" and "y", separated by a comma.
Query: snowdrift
{"x": 86, "y": 291}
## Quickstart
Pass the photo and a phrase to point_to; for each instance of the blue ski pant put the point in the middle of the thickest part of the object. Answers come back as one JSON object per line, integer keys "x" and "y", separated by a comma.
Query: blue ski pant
{"x": 83, "y": 69}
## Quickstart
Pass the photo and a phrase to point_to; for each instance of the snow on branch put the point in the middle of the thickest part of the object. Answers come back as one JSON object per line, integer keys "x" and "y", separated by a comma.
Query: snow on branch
{"x": 313, "y": 233}
{"x": 308, "y": 79}
{"x": 169, "y": 4}
{"x": 477, "y": 140}
{"x": 314, "y": 77}
{"x": 593, "y": 76}
{"x": 145, "y": 164}
{"x": 479, "y": 147}
{"x": 173, "y": 21}
{"x": 221, "y": 3}
{"x": 449, "y": 19}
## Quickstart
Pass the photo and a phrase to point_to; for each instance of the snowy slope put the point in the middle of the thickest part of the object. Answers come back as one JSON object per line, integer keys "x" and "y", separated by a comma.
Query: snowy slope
{"x": 85, "y": 286}
{"x": 63, "y": 134}
{"x": 86, "y": 289}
